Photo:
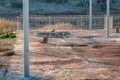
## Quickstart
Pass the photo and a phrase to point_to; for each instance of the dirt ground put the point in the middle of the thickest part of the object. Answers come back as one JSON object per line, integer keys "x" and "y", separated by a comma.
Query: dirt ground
{"x": 87, "y": 55}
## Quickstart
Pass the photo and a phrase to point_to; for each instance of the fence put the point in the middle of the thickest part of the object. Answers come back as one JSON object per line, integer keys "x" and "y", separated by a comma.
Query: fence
{"x": 62, "y": 22}
{"x": 116, "y": 21}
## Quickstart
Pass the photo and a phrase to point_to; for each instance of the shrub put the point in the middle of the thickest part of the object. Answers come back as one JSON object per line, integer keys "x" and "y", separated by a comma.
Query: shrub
{"x": 8, "y": 35}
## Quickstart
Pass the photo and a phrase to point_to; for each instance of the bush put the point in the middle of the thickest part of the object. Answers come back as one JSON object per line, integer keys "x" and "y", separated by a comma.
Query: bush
{"x": 11, "y": 35}
{"x": 8, "y": 35}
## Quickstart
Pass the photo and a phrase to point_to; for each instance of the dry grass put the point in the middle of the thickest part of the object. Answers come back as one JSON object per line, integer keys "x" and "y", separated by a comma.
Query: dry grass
{"x": 4, "y": 62}
{"x": 6, "y": 50}
{"x": 7, "y": 53}
{"x": 3, "y": 49}
{"x": 58, "y": 26}
{"x": 6, "y": 47}
{"x": 7, "y": 25}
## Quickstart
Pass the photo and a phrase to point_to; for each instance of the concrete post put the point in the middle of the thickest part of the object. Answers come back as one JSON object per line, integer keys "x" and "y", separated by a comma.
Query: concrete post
{"x": 110, "y": 22}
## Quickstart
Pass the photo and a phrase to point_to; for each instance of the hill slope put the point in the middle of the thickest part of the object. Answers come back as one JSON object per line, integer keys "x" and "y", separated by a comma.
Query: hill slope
{"x": 58, "y": 7}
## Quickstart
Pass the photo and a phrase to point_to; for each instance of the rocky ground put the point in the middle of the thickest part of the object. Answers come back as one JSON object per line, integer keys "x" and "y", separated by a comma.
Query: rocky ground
{"x": 85, "y": 56}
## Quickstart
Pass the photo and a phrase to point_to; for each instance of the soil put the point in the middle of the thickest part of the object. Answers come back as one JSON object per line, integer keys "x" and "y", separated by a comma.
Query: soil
{"x": 87, "y": 56}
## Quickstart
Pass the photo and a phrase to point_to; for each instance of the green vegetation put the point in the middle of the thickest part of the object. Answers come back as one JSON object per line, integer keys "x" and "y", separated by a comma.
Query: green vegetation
{"x": 9, "y": 35}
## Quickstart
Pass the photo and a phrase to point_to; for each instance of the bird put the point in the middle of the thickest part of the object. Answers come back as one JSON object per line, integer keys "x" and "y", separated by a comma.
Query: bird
{"x": 53, "y": 30}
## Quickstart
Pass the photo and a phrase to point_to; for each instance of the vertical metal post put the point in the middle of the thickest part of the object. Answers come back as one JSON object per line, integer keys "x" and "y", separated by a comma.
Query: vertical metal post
{"x": 107, "y": 19}
{"x": 81, "y": 22}
{"x": 26, "y": 37}
{"x": 78, "y": 22}
{"x": 17, "y": 18}
{"x": 49, "y": 21}
{"x": 90, "y": 14}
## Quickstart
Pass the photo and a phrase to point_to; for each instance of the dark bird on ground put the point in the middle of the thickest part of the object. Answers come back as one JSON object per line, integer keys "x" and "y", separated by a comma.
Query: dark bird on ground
{"x": 53, "y": 30}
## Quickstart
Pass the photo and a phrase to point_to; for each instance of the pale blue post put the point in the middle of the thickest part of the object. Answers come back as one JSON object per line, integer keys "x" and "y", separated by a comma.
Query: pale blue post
{"x": 107, "y": 19}
{"x": 26, "y": 37}
{"x": 90, "y": 14}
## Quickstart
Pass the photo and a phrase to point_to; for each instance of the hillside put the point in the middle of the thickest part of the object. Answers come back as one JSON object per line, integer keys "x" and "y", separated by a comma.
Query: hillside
{"x": 58, "y": 7}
